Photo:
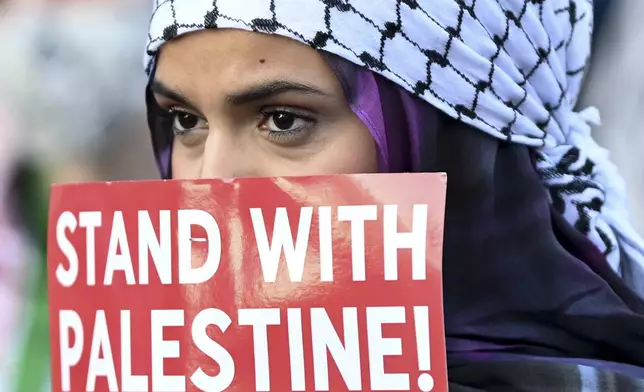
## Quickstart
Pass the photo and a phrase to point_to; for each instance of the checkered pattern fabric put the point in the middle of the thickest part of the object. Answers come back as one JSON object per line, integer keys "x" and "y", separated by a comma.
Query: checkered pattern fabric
{"x": 510, "y": 68}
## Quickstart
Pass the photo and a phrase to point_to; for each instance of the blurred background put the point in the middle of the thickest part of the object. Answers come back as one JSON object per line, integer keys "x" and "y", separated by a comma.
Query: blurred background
{"x": 70, "y": 112}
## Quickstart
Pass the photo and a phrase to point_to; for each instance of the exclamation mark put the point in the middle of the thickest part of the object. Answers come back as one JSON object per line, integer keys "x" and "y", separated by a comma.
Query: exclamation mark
{"x": 421, "y": 320}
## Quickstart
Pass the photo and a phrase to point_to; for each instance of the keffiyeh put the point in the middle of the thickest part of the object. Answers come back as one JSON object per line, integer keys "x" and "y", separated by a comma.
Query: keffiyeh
{"x": 510, "y": 68}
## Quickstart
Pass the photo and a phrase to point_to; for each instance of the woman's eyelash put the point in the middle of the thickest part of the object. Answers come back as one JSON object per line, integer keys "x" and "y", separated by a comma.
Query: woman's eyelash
{"x": 172, "y": 110}
{"x": 267, "y": 113}
{"x": 299, "y": 124}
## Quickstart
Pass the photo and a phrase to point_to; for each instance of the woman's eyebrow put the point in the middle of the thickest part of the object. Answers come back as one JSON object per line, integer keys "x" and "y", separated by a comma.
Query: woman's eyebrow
{"x": 271, "y": 89}
{"x": 158, "y": 87}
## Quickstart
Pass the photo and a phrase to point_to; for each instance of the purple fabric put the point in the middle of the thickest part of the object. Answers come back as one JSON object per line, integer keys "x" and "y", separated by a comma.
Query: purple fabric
{"x": 384, "y": 106}
{"x": 518, "y": 279}
{"x": 160, "y": 134}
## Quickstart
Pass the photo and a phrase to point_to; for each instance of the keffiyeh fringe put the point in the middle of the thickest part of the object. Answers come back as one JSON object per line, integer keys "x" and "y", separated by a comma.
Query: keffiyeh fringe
{"x": 510, "y": 68}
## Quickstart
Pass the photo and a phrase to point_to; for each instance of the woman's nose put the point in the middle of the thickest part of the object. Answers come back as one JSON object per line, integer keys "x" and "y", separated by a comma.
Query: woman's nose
{"x": 225, "y": 156}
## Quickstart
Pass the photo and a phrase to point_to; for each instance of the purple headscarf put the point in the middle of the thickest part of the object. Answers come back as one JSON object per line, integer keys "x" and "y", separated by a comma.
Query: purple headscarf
{"x": 520, "y": 282}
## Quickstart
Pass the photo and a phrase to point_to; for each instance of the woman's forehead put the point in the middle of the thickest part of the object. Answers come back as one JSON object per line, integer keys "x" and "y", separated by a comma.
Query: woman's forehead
{"x": 235, "y": 59}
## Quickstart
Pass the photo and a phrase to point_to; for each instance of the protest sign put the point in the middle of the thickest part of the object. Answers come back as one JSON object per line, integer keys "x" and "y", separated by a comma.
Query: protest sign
{"x": 325, "y": 283}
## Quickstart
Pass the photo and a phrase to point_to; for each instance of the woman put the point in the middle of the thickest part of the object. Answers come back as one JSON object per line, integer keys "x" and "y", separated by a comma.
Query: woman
{"x": 541, "y": 263}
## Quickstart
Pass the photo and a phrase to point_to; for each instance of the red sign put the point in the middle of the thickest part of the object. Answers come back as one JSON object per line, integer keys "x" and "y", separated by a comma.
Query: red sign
{"x": 278, "y": 284}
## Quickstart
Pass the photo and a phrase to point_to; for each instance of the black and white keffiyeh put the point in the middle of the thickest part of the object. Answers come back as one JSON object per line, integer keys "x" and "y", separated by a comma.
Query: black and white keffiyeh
{"x": 510, "y": 68}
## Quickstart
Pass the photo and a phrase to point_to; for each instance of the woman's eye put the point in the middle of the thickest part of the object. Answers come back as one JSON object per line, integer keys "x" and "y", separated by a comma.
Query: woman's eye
{"x": 184, "y": 121}
{"x": 284, "y": 122}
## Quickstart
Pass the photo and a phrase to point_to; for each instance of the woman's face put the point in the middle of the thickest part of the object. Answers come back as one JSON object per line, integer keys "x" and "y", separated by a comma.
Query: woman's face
{"x": 245, "y": 104}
